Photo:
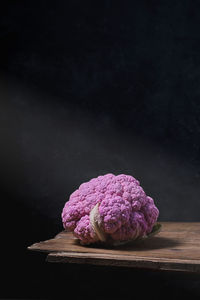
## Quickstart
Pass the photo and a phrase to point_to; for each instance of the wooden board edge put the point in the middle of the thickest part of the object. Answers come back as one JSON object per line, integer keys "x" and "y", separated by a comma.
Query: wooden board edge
{"x": 139, "y": 262}
{"x": 36, "y": 247}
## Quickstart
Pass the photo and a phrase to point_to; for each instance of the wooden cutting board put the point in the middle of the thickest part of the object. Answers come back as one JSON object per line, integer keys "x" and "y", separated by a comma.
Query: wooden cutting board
{"x": 175, "y": 248}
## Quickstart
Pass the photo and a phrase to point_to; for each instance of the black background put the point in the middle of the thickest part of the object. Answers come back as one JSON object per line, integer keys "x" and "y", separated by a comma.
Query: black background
{"x": 88, "y": 88}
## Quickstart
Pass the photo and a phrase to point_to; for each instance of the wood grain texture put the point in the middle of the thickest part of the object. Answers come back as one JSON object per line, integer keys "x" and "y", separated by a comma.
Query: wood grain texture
{"x": 175, "y": 248}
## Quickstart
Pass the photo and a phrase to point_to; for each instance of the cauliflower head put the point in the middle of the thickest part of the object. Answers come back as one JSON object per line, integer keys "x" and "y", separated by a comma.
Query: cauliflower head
{"x": 110, "y": 209}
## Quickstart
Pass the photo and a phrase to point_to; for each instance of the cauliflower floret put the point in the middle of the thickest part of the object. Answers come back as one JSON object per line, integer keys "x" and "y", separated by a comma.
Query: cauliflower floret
{"x": 109, "y": 207}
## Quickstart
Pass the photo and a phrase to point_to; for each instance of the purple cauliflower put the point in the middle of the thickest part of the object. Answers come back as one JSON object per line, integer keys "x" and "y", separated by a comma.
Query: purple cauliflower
{"x": 110, "y": 209}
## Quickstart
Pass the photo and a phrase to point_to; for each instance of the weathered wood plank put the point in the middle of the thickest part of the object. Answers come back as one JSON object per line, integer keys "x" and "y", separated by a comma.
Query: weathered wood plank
{"x": 125, "y": 261}
{"x": 176, "y": 247}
